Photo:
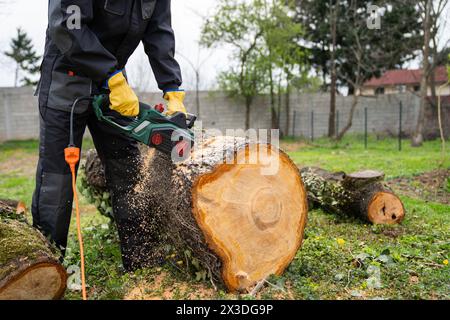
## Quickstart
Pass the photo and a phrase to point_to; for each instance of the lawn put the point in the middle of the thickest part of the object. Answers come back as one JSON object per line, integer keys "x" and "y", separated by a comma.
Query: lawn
{"x": 341, "y": 258}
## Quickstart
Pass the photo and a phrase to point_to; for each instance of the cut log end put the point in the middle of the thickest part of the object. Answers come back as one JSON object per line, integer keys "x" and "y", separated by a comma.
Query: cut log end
{"x": 40, "y": 281}
{"x": 385, "y": 208}
{"x": 361, "y": 194}
{"x": 238, "y": 207}
{"x": 366, "y": 174}
{"x": 29, "y": 264}
{"x": 241, "y": 211}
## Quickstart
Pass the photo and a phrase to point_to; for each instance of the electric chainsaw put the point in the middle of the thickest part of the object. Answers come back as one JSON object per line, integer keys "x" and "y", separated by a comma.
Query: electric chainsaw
{"x": 151, "y": 127}
{"x": 171, "y": 135}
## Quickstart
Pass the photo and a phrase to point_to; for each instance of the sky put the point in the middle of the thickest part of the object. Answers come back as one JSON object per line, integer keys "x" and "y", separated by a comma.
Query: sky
{"x": 31, "y": 15}
{"x": 187, "y": 17}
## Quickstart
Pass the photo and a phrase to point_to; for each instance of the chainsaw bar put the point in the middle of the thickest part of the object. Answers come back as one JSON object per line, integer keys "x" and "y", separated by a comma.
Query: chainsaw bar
{"x": 170, "y": 135}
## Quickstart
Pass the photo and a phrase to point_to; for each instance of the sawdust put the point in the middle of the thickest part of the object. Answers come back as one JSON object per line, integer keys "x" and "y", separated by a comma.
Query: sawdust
{"x": 157, "y": 289}
{"x": 146, "y": 227}
{"x": 147, "y": 155}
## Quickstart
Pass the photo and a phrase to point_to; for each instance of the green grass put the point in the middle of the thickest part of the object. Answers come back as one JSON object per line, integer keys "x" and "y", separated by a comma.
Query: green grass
{"x": 23, "y": 145}
{"x": 331, "y": 269}
{"x": 341, "y": 258}
{"x": 13, "y": 186}
{"x": 13, "y": 149}
{"x": 350, "y": 155}
{"x": 28, "y": 146}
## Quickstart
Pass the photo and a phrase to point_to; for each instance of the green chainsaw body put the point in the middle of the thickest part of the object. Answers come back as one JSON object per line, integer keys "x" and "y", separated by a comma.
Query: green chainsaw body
{"x": 170, "y": 135}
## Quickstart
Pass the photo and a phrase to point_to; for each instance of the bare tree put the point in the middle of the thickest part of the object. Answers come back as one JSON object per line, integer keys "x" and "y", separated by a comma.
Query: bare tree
{"x": 438, "y": 36}
{"x": 417, "y": 138}
{"x": 431, "y": 14}
{"x": 197, "y": 69}
{"x": 333, "y": 28}
{"x": 441, "y": 130}
{"x": 356, "y": 84}
{"x": 364, "y": 63}
{"x": 140, "y": 77}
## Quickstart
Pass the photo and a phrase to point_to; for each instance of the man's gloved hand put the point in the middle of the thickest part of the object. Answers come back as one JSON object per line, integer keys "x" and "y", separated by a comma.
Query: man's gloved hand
{"x": 175, "y": 102}
{"x": 121, "y": 97}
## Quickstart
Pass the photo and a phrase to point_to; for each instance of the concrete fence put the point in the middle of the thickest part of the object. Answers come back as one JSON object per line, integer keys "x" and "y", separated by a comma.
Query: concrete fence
{"x": 308, "y": 113}
{"x": 19, "y": 115}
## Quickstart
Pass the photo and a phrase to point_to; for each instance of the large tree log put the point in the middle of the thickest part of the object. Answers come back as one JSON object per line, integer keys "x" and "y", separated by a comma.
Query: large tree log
{"x": 29, "y": 266}
{"x": 239, "y": 223}
{"x": 361, "y": 194}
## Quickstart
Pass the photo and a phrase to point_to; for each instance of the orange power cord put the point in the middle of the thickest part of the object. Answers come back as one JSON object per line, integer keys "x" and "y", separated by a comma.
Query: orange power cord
{"x": 72, "y": 157}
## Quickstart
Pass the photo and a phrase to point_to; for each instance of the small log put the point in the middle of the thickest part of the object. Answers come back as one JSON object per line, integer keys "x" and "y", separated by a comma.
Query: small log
{"x": 239, "y": 224}
{"x": 29, "y": 265}
{"x": 93, "y": 184}
{"x": 95, "y": 174}
{"x": 360, "y": 194}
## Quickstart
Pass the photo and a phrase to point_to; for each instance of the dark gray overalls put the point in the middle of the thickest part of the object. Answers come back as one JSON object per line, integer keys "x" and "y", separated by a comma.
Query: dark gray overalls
{"x": 79, "y": 56}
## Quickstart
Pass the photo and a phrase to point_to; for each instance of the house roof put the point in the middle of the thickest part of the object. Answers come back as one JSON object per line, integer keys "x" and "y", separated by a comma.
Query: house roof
{"x": 404, "y": 77}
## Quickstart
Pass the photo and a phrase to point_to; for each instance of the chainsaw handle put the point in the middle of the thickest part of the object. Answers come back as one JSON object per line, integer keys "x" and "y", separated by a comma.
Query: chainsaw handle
{"x": 190, "y": 119}
{"x": 180, "y": 119}
{"x": 97, "y": 104}
{"x": 102, "y": 101}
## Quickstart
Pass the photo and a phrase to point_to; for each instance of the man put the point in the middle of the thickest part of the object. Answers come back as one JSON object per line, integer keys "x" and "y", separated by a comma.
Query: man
{"x": 88, "y": 44}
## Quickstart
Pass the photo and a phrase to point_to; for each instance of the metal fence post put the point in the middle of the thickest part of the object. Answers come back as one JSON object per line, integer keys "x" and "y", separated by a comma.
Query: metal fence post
{"x": 400, "y": 115}
{"x": 312, "y": 125}
{"x": 365, "y": 128}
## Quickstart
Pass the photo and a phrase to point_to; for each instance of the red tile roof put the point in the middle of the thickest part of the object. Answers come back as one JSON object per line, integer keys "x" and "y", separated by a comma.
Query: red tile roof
{"x": 411, "y": 77}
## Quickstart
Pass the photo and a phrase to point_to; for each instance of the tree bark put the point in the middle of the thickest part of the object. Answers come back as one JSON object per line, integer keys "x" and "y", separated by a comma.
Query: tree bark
{"x": 332, "y": 115}
{"x": 361, "y": 194}
{"x": 248, "y": 103}
{"x": 349, "y": 123}
{"x": 417, "y": 138}
{"x": 29, "y": 265}
{"x": 16, "y": 76}
{"x": 280, "y": 99}
{"x": 288, "y": 104}
{"x": 221, "y": 210}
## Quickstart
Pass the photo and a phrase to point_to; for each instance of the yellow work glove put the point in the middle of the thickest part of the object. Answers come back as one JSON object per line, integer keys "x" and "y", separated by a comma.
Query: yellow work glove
{"x": 175, "y": 102}
{"x": 121, "y": 97}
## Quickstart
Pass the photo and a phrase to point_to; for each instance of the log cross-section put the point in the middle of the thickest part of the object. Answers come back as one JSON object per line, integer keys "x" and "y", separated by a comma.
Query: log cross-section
{"x": 253, "y": 222}
{"x": 239, "y": 208}
{"x": 29, "y": 265}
